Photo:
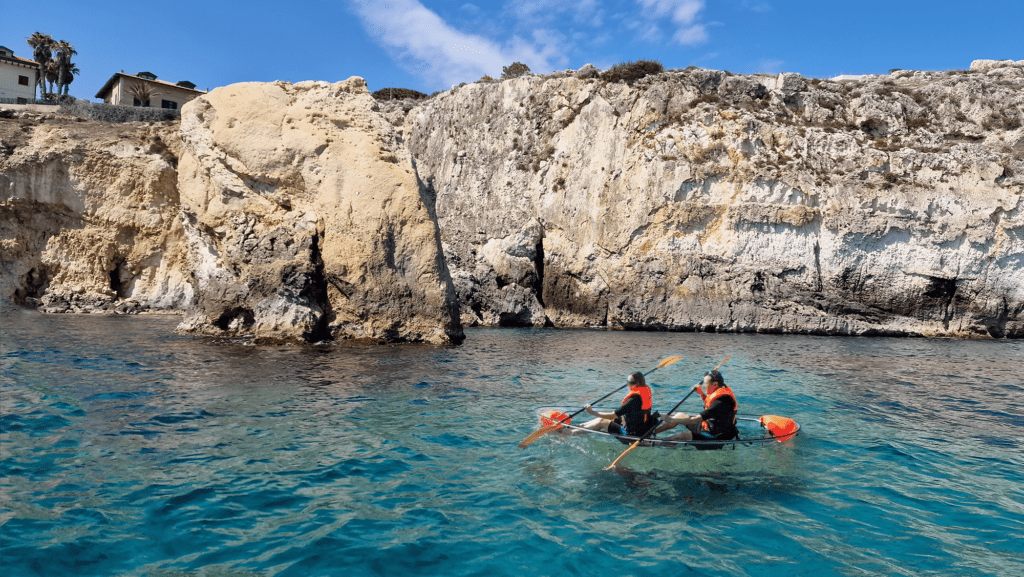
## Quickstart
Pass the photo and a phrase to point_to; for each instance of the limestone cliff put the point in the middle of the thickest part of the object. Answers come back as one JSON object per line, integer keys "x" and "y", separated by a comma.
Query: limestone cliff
{"x": 305, "y": 219}
{"x": 277, "y": 211}
{"x": 688, "y": 200}
{"x": 703, "y": 200}
{"x": 88, "y": 215}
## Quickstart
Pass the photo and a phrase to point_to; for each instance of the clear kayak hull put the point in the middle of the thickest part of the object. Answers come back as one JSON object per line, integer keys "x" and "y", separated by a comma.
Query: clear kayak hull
{"x": 755, "y": 431}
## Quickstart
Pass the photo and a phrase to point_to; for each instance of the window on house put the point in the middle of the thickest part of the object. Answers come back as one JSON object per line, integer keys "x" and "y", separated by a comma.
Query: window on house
{"x": 137, "y": 102}
{"x": 22, "y": 100}
{"x": 23, "y": 80}
{"x": 169, "y": 104}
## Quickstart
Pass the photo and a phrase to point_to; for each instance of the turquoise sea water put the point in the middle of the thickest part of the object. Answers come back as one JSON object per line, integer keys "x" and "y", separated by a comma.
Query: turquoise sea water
{"x": 129, "y": 450}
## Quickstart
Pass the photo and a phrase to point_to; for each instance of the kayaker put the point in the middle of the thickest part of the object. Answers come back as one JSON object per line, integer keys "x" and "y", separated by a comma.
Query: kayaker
{"x": 717, "y": 422}
{"x": 633, "y": 417}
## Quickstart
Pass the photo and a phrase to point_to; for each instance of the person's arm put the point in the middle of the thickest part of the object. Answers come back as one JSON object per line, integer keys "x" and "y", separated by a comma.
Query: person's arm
{"x": 682, "y": 419}
{"x": 610, "y": 415}
{"x": 700, "y": 392}
{"x": 633, "y": 405}
{"x": 720, "y": 407}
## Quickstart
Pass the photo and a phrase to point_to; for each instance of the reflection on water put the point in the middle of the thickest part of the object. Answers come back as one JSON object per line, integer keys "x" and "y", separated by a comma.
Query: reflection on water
{"x": 127, "y": 449}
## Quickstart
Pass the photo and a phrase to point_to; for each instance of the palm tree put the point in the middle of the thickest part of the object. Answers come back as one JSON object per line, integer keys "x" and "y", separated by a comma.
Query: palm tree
{"x": 52, "y": 73}
{"x": 74, "y": 72}
{"x": 142, "y": 93}
{"x": 64, "y": 75}
{"x": 42, "y": 47}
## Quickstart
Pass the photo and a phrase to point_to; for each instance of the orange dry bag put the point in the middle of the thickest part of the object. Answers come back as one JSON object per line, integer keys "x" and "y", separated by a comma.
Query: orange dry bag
{"x": 781, "y": 428}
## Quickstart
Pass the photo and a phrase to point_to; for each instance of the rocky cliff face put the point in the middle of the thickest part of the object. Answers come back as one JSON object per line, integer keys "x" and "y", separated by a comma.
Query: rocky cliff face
{"x": 703, "y": 200}
{"x": 689, "y": 200}
{"x": 294, "y": 214}
{"x": 88, "y": 215}
{"x": 305, "y": 220}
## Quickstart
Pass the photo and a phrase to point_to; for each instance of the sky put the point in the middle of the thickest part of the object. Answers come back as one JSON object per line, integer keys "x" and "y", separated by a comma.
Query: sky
{"x": 431, "y": 45}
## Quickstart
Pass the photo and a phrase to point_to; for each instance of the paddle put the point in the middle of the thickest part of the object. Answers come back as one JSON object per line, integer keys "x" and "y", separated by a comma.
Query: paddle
{"x": 655, "y": 427}
{"x": 548, "y": 428}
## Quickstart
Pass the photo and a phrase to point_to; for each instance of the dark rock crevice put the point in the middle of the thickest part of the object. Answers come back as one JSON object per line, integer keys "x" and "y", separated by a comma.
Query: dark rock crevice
{"x": 317, "y": 293}
{"x": 538, "y": 264}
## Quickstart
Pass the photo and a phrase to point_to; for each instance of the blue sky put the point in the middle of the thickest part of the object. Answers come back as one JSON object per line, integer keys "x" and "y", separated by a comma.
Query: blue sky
{"x": 430, "y": 45}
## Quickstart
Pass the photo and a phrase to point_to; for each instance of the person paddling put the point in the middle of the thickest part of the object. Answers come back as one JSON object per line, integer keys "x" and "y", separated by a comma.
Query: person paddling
{"x": 717, "y": 422}
{"x": 633, "y": 417}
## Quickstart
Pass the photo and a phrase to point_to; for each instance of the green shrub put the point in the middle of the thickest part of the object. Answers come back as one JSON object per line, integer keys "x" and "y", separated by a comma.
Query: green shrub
{"x": 398, "y": 94}
{"x": 514, "y": 70}
{"x": 630, "y": 72}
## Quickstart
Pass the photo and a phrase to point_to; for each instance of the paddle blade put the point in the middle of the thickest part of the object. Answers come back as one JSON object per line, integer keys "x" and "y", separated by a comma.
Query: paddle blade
{"x": 550, "y": 421}
{"x": 727, "y": 357}
{"x": 668, "y": 361}
{"x": 781, "y": 428}
{"x": 536, "y": 435}
{"x": 558, "y": 418}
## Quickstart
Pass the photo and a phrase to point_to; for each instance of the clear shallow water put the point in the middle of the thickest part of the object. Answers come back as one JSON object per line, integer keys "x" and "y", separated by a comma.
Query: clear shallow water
{"x": 129, "y": 450}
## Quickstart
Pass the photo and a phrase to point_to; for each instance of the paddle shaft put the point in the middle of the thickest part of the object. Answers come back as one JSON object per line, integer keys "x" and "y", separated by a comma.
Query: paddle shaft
{"x": 605, "y": 397}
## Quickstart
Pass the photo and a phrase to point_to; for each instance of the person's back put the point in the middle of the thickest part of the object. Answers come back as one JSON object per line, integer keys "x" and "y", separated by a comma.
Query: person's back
{"x": 635, "y": 411}
{"x": 633, "y": 417}
{"x": 719, "y": 414}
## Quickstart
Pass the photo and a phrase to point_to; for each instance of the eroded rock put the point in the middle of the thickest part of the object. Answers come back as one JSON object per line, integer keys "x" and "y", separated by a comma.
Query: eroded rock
{"x": 88, "y": 215}
{"x": 700, "y": 200}
{"x": 305, "y": 219}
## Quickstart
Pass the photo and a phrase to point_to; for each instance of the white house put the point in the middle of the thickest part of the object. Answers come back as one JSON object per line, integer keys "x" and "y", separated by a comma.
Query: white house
{"x": 17, "y": 78}
{"x": 124, "y": 89}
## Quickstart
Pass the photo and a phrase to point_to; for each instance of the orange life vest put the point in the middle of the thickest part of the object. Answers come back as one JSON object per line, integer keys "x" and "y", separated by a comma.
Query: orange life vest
{"x": 721, "y": 391}
{"x": 646, "y": 398}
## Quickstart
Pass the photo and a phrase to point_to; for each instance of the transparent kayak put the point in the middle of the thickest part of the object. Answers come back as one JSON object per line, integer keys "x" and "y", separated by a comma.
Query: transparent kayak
{"x": 754, "y": 431}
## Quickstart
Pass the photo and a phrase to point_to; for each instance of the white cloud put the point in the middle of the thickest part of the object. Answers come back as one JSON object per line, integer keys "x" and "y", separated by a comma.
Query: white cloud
{"x": 770, "y": 66}
{"x": 757, "y": 6}
{"x": 646, "y": 31}
{"x": 683, "y": 14}
{"x": 692, "y": 35}
{"x": 425, "y": 45}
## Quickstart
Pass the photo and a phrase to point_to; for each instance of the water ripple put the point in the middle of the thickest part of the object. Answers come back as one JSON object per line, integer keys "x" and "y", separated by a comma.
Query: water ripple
{"x": 128, "y": 450}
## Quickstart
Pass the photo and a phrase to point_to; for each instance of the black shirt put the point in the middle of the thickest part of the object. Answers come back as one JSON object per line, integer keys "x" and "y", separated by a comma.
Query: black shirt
{"x": 632, "y": 411}
{"x": 719, "y": 417}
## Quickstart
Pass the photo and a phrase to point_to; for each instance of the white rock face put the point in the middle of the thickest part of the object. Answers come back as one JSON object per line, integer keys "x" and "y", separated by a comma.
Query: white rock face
{"x": 305, "y": 219}
{"x": 690, "y": 200}
{"x": 700, "y": 200}
{"x": 989, "y": 65}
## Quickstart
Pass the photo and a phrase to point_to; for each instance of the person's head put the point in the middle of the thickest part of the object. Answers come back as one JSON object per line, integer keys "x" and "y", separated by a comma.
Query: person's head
{"x": 713, "y": 379}
{"x": 636, "y": 379}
